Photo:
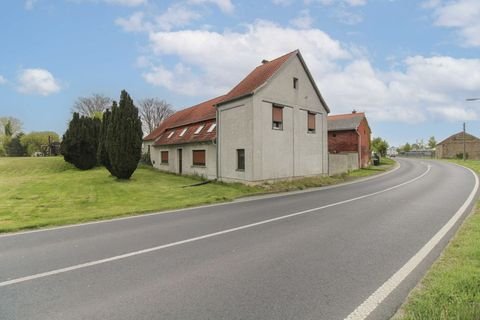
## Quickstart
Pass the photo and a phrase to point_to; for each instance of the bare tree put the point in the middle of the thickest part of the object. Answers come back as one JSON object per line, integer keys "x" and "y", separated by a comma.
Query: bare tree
{"x": 10, "y": 126}
{"x": 153, "y": 111}
{"x": 92, "y": 106}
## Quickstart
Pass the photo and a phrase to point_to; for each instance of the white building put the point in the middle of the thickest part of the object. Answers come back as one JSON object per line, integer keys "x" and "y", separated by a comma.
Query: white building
{"x": 272, "y": 125}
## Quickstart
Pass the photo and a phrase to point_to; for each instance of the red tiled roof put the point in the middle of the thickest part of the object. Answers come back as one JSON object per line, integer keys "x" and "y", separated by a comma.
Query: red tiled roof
{"x": 189, "y": 136}
{"x": 198, "y": 113}
{"x": 256, "y": 78}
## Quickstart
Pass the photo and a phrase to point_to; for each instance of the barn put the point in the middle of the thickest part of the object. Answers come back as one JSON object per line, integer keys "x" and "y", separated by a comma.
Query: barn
{"x": 452, "y": 147}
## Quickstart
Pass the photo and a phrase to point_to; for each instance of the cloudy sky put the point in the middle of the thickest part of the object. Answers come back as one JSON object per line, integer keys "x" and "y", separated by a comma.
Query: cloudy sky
{"x": 409, "y": 65}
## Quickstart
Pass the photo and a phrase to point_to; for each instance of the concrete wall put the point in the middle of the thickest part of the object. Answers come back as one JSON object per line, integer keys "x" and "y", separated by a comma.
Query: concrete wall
{"x": 292, "y": 151}
{"x": 235, "y": 131}
{"x": 342, "y": 162}
{"x": 208, "y": 171}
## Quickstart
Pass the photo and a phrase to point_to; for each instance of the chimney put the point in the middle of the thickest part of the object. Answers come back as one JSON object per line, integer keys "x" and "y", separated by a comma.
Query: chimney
{"x": 265, "y": 61}
{"x": 354, "y": 111}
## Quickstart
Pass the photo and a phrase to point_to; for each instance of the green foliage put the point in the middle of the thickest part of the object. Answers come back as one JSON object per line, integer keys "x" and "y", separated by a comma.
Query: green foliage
{"x": 102, "y": 153}
{"x": 8, "y": 129}
{"x": 460, "y": 155}
{"x": 14, "y": 147}
{"x": 124, "y": 138}
{"x": 34, "y": 141}
{"x": 380, "y": 146}
{"x": 80, "y": 142}
{"x": 432, "y": 143}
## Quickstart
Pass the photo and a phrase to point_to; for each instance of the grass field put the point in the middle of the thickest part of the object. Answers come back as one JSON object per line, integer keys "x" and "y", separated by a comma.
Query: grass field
{"x": 451, "y": 289}
{"x": 41, "y": 192}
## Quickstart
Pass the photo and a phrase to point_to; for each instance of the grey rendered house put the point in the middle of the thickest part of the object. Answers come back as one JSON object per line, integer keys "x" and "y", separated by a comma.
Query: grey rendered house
{"x": 271, "y": 125}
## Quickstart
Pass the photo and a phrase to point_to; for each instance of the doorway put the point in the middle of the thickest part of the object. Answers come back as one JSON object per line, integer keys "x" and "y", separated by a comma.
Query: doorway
{"x": 179, "y": 161}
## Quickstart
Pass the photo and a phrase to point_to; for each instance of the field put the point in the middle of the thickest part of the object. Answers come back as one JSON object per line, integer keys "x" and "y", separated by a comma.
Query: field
{"x": 451, "y": 289}
{"x": 41, "y": 192}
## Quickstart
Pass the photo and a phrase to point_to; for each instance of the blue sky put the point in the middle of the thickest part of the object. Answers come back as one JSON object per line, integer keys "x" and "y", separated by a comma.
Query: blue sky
{"x": 408, "y": 64}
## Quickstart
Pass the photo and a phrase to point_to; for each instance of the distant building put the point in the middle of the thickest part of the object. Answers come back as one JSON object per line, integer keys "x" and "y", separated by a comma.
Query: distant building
{"x": 349, "y": 133}
{"x": 452, "y": 147}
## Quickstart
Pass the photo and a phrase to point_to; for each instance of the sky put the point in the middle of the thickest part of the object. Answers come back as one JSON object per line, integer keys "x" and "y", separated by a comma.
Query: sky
{"x": 408, "y": 64}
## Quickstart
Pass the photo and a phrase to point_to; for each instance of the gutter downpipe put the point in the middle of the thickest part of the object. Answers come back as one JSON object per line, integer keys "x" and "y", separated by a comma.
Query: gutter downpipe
{"x": 217, "y": 138}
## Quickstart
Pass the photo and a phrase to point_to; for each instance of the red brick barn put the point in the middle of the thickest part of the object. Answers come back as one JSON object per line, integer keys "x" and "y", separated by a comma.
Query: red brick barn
{"x": 350, "y": 133}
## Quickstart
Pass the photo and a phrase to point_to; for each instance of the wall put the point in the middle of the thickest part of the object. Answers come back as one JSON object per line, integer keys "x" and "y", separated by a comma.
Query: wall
{"x": 365, "y": 141}
{"x": 292, "y": 151}
{"x": 235, "y": 131}
{"x": 342, "y": 162}
{"x": 451, "y": 148}
{"x": 209, "y": 171}
{"x": 342, "y": 141}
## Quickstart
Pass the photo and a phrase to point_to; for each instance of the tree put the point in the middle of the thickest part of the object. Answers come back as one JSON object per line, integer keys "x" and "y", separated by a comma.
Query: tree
{"x": 152, "y": 112}
{"x": 380, "y": 146}
{"x": 38, "y": 141}
{"x": 432, "y": 143}
{"x": 407, "y": 147}
{"x": 14, "y": 147}
{"x": 10, "y": 126}
{"x": 102, "y": 152}
{"x": 91, "y": 106}
{"x": 80, "y": 142}
{"x": 124, "y": 138}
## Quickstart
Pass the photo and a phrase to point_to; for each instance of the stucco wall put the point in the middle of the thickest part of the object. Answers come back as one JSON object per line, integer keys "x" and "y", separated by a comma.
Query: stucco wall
{"x": 342, "y": 162}
{"x": 292, "y": 151}
{"x": 209, "y": 171}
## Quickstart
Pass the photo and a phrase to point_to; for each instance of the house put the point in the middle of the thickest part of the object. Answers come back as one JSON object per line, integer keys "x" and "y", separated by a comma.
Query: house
{"x": 452, "y": 147}
{"x": 349, "y": 133}
{"x": 271, "y": 125}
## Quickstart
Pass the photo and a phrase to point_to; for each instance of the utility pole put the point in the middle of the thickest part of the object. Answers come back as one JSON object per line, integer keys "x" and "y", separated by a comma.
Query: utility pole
{"x": 464, "y": 138}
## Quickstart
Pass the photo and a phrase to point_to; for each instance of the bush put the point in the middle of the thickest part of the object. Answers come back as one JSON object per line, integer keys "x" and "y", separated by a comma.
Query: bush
{"x": 80, "y": 142}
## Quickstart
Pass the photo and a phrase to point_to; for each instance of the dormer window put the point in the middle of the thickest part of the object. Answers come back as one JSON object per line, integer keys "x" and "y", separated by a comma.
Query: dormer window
{"x": 170, "y": 135}
{"x": 295, "y": 83}
{"x": 212, "y": 127}
{"x": 183, "y": 132}
{"x": 199, "y": 129}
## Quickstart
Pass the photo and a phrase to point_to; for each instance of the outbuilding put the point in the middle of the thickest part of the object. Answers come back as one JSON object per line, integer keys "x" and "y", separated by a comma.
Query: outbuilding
{"x": 453, "y": 146}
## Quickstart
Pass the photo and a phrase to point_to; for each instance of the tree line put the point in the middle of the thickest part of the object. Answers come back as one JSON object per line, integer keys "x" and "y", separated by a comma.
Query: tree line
{"x": 418, "y": 145}
{"x": 114, "y": 142}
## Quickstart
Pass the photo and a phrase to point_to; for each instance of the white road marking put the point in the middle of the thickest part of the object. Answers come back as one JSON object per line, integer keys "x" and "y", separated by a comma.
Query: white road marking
{"x": 372, "y": 302}
{"x": 246, "y": 199}
{"x": 210, "y": 235}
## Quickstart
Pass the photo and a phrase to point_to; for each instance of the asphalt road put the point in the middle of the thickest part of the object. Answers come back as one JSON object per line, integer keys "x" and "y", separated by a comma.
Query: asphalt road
{"x": 312, "y": 255}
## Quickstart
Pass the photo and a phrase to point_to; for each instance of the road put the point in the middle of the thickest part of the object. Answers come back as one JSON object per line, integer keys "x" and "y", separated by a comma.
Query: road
{"x": 349, "y": 251}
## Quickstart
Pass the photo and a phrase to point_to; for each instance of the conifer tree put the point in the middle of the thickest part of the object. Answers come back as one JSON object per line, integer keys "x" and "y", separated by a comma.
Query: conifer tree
{"x": 102, "y": 153}
{"x": 124, "y": 138}
{"x": 80, "y": 142}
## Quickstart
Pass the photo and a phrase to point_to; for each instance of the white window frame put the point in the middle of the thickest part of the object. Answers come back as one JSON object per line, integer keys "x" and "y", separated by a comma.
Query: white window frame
{"x": 212, "y": 127}
{"x": 199, "y": 129}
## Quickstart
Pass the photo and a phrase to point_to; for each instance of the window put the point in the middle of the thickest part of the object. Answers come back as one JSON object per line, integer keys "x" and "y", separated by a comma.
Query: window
{"x": 199, "y": 129}
{"x": 212, "y": 127}
{"x": 311, "y": 122}
{"x": 277, "y": 117}
{"x": 241, "y": 159}
{"x": 148, "y": 147}
{"x": 183, "y": 132}
{"x": 170, "y": 135}
{"x": 199, "y": 157}
{"x": 164, "y": 155}
{"x": 295, "y": 83}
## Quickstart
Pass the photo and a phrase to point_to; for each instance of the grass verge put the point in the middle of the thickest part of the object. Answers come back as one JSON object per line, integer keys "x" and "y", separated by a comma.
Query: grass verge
{"x": 451, "y": 288}
{"x": 45, "y": 192}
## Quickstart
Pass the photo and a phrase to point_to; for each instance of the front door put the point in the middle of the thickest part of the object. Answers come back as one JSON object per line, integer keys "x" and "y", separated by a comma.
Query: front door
{"x": 179, "y": 161}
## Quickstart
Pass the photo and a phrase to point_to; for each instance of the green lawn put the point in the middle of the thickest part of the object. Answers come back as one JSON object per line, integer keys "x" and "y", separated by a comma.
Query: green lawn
{"x": 451, "y": 289}
{"x": 41, "y": 192}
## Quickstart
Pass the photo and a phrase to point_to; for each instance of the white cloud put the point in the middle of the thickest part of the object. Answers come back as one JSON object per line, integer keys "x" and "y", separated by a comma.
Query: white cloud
{"x": 2, "y": 79}
{"x": 37, "y": 81}
{"x": 282, "y": 2}
{"x": 229, "y": 55}
{"x": 175, "y": 16}
{"x": 462, "y": 15}
{"x": 303, "y": 21}
{"x": 29, "y": 4}
{"x": 224, "y": 5}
